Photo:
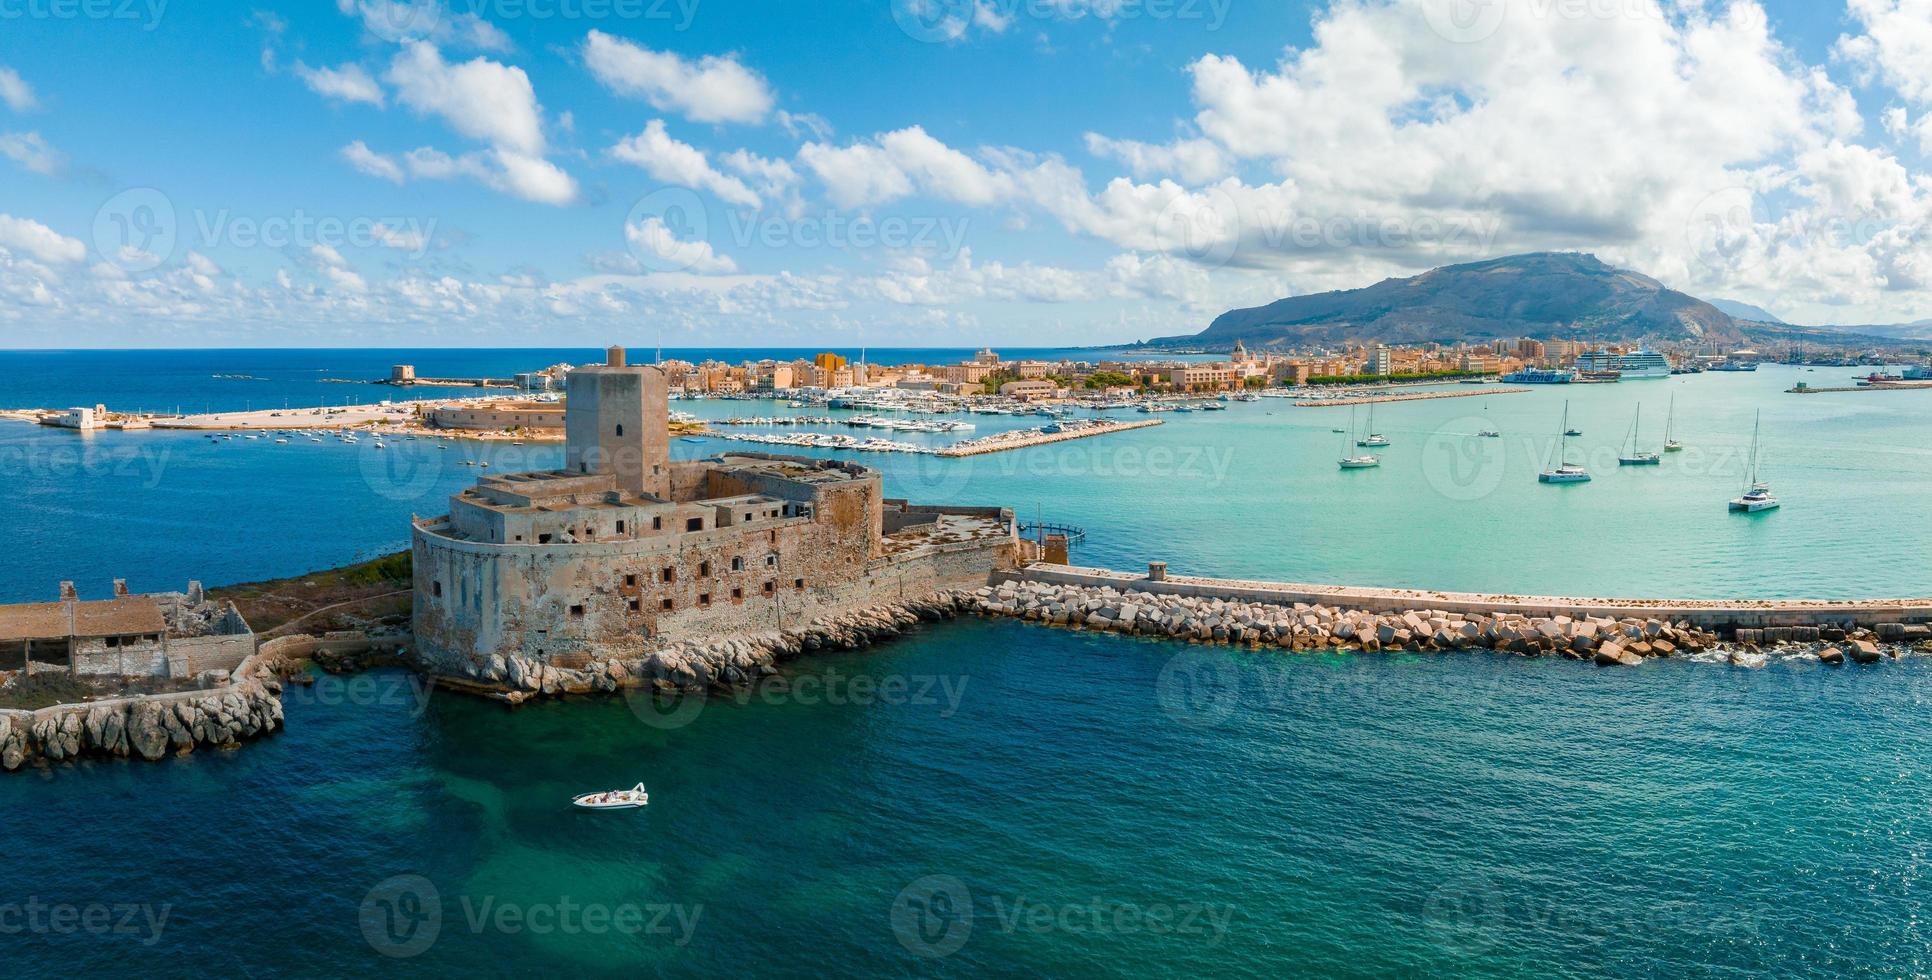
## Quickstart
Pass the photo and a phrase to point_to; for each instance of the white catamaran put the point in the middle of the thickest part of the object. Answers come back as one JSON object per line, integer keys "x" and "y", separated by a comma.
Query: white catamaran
{"x": 1564, "y": 471}
{"x": 1757, "y": 494}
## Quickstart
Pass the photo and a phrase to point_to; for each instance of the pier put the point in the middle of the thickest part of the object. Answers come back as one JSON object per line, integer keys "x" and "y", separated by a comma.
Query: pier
{"x": 1804, "y": 389}
{"x": 1034, "y": 437}
{"x": 1413, "y": 396}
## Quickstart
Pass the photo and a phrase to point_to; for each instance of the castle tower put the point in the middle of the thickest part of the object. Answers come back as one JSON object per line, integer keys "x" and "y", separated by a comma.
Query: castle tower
{"x": 617, "y": 420}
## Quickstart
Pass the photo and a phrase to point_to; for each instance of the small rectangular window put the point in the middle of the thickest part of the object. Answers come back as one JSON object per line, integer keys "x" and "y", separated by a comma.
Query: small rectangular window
{"x": 704, "y": 600}
{"x": 748, "y": 516}
{"x": 798, "y": 583}
{"x": 704, "y": 569}
{"x": 657, "y": 523}
{"x": 737, "y": 595}
{"x": 577, "y": 610}
{"x": 543, "y": 539}
{"x": 738, "y": 564}
{"x": 670, "y": 574}
{"x": 694, "y": 524}
{"x": 636, "y": 604}
{"x": 436, "y": 588}
{"x": 771, "y": 587}
{"x": 630, "y": 581}
{"x": 666, "y": 605}
{"x": 620, "y": 527}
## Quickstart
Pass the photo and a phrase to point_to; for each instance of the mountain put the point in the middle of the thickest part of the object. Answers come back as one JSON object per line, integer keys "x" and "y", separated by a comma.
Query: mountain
{"x": 1542, "y": 294}
{"x": 1745, "y": 311}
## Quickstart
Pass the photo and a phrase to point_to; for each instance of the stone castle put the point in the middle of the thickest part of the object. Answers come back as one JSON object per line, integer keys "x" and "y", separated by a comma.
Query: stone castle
{"x": 625, "y": 551}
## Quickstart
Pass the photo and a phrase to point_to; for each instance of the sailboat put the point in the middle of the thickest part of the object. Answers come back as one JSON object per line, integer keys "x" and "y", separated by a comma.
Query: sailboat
{"x": 1564, "y": 471}
{"x": 1757, "y": 495}
{"x": 1489, "y": 431}
{"x": 1671, "y": 445}
{"x": 1632, "y": 456}
{"x": 1364, "y": 461}
{"x": 1373, "y": 438}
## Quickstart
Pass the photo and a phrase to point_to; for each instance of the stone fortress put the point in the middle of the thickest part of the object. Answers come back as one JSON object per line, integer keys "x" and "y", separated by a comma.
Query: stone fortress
{"x": 625, "y": 552}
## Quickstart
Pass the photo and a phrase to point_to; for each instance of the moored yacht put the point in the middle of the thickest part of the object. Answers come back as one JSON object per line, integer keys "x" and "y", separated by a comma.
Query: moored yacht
{"x": 1362, "y": 461}
{"x": 1632, "y": 456}
{"x": 1564, "y": 471}
{"x": 1757, "y": 495}
{"x": 1374, "y": 439}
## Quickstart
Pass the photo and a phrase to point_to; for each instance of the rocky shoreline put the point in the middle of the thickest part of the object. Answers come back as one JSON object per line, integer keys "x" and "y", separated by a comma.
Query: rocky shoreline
{"x": 240, "y": 708}
{"x": 712, "y": 664}
{"x": 1626, "y": 641}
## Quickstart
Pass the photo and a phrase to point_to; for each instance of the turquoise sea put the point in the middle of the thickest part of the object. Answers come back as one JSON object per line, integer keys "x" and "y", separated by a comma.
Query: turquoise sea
{"x": 998, "y": 798}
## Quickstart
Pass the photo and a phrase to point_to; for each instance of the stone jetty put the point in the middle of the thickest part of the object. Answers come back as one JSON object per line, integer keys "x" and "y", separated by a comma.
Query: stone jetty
{"x": 234, "y": 710}
{"x": 1482, "y": 391}
{"x": 1607, "y": 640}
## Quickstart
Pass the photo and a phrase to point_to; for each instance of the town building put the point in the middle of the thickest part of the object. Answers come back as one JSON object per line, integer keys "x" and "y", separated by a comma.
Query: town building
{"x": 164, "y": 635}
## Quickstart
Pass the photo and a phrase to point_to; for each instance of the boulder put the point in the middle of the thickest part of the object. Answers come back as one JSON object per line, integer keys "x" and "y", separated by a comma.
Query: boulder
{"x": 1831, "y": 655}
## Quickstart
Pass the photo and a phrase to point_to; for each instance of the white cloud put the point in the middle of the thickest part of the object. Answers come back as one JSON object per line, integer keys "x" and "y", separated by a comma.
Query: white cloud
{"x": 900, "y": 163}
{"x": 652, "y": 237}
{"x": 336, "y": 269}
{"x": 372, "y": 163}
{"x": 349, "y": 83}
{"x": 39, "y": 241}
{"x": 1193, "y": 161}
{"x": 682, "y": 164}
{"x": 15, "y": 92}
{"x": 1896, "y": 45}
{"x": 33, "y": 152}
{"x": 481, "y": 99}
{"x": 711, "y": 89}
{"x": 426, "y": 20}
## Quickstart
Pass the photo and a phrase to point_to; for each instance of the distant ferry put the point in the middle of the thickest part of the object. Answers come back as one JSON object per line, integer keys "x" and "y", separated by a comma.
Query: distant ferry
{"x": 1538, "y": 376}
{"x": 1641, "y": 363}
{"x": 1917, "y": 372}
{"x": 1737, "y": 366}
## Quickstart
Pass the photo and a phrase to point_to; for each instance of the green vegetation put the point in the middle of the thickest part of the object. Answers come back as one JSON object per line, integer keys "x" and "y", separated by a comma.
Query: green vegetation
{"x": 1110, "y": 379}
{"x": 43, "y": 690}
{"x": 1369, "y": 379}
{"x": 991, "y": 383}
{"x": 1255, "y": 382}
{"x": 396, "y": 569}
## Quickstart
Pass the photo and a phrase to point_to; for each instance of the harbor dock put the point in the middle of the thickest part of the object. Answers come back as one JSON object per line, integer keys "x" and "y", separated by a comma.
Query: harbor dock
{"x": 1033, "y": 437}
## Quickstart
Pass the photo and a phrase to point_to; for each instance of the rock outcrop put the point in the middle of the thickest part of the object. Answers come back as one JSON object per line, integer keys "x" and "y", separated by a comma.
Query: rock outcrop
{"x": 148, "y": 727}
{"x": 717, "y": 663}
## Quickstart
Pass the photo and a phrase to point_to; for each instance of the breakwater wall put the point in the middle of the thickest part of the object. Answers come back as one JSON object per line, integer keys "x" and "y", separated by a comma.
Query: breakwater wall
{"x": 1414, "y": 396}
{"x": 1043, "y": 438}
{"x": 1723, "y": 616}
{"x": 1295, "y": 617}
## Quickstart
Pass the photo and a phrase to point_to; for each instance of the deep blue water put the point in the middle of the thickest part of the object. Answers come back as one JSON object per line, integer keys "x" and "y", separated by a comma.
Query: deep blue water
{"x": 1102, "y": 806}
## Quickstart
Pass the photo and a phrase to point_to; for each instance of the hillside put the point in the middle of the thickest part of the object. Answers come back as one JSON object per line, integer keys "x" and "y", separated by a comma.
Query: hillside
{"x": 1543, "y": 294}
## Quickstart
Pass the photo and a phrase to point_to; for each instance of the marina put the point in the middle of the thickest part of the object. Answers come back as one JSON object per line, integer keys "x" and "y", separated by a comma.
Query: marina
{"x": 1342, "y": 400}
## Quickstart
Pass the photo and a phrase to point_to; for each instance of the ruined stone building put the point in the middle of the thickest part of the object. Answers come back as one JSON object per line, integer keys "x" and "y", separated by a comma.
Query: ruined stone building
{"x": 624, "y": 549}
{"x": 168, "y": 635}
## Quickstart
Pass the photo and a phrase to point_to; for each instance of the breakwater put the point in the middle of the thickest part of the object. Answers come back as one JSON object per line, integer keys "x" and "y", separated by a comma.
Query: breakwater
{"x": 1023, "y": 438}
{"x": 1301, "y": 617}
{"x": 1413, "y": 396}
{"x": 245, "y": 705}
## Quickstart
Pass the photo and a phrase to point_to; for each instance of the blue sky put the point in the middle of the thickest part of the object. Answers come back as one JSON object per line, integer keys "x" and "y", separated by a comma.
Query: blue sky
{"x": 946, "y": 172}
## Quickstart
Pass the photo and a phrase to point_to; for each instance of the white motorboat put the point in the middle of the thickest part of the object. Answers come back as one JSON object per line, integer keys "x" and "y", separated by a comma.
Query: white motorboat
{"x": 616, "y": 799}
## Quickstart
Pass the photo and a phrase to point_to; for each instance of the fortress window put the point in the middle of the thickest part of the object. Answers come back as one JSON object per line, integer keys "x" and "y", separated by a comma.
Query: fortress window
{"x": 704, "y": 569}
{"x": 737, "y": 595}
{"x": 636, "y": 604}
{"x": 771, "y": 560}
{"x": 620, "y": 429}
{"x": 799, "y": 584}
{"x": 670, "y": 574}
{"x": 577, "y": 610}
{"x": 694, "y": 524}
{"x": 620, "y": 527}
{"x": 738, "y": 564}
{"x": 657, "y": 523}
{"x": 436, "y": 589}
{"x": 543, "y": 539}
{"x": 748, "y": 516}
{"x": 704, "y": 601}
{"x": 667, "y": 605}
{"x": 770, "y": 587}
{"x": 630, "y": 581}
